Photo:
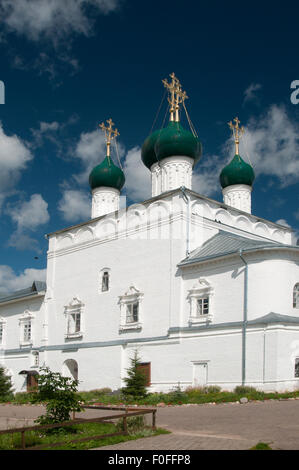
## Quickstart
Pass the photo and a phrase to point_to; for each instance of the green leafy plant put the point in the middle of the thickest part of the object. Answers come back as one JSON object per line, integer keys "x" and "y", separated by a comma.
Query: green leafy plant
{"x": 6, "y": 390}
{"x": 60, "y": 396}
{"x": 243, "y": 389}
{"x": 261, "y": 446}
{"x": 136, "y": 380}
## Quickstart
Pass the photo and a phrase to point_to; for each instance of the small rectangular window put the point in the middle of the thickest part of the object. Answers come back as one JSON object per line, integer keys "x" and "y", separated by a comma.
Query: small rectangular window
{"x": 1, "y": 333}
{"x": 203, "y": 306}
{"x": 297, "y": 367}
{"x": 132, "y": 312}
{"x": 74, "y": 322}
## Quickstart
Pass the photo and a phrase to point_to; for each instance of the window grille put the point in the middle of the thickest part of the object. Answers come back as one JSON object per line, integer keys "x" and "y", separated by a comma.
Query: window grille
{"x": 27, "y": 331}
{"x": 203, "y": 306}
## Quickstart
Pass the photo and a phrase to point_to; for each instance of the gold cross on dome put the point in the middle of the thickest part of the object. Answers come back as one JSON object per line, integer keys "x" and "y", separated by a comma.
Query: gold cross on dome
{"x": 110, "y": 133}
{"x": 237, "y": 132}
{"x": 176, "y": 96}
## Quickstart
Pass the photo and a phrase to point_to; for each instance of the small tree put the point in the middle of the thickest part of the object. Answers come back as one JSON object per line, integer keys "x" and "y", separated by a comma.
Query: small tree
{"x": 6, "y": 390}
{"x": 136, "y": 380}
{"x": 60, "y": 396}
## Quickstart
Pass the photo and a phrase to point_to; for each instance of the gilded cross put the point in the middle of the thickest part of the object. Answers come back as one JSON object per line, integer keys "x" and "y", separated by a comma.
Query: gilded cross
{"x": 237, "y": 132}
{"x": 110, "y": 133}
{"x": 176, "y": 96}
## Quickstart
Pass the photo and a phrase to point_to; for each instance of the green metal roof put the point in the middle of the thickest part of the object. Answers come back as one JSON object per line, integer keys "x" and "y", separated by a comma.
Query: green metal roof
{"x": 237, "y": 172}
{"x": 107, "y": 174}
{"x": 170, "y": 141}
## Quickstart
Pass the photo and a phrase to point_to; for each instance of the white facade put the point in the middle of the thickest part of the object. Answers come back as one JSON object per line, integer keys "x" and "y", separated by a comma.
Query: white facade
{"x": 238, "y": 196}
{"x": 104, "y": 201}
{"x": 118, "y": 282}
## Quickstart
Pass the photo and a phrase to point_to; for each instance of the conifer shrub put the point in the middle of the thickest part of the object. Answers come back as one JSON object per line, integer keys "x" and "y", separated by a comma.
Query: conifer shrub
{"x": 6, "y": 389}
{"x": 136, "y": 380}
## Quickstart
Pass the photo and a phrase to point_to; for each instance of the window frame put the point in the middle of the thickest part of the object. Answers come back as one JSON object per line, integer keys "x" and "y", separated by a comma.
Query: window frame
{"x": 296, "y": 363}
{"x": 199, "y": 293}
{"x": 131, "y": 297}
{"x": 74, "y": 308}
{"x": 26, "y": 319}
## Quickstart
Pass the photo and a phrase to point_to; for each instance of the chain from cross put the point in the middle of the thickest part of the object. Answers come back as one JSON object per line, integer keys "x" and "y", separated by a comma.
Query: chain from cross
{"x": 110, "y": 133}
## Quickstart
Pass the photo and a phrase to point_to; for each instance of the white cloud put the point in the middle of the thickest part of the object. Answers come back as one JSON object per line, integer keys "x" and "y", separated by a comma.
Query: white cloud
{"x": 205, "y": 178}
{"x": 46, "y": 130}
{"x": 14, "y": 156}
{"x": 271, "y": 143}
{"x": 250, "y": 92}
{"x": 75, "y": 205}
{"x": 91, "y": 149}
{"x": 10, "y": 281}
{"x": 28, "y": 216}
{"x": 54, "y": 20}
{"x": 283, "y": 222}
{"x": 138, "y": 177}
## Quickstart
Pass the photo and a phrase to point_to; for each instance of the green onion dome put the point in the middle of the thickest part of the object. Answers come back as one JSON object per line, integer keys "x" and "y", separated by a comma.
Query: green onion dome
{"x": 237, "y": 172}
{"x": 148, "y": 155}
{"x": 171, "y": 141}
{"x": 174, "y": 140}
{"x": 107, "y": 174}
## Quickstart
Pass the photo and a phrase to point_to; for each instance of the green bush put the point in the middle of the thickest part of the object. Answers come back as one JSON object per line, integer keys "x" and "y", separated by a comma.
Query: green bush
{"x": 23, "y": 397}
{"x": 134, "y": 424}
{"x": 244, "y": 390}
{"x": 60, "y": 396}
{"x": 6, "y": 390}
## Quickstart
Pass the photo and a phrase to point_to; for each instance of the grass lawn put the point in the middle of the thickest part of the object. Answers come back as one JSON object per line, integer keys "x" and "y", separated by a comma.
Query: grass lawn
{"x": 78, "y": 431}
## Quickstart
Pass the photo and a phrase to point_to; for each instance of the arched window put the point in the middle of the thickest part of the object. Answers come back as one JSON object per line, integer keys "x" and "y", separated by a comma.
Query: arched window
{"x": 296, "y": 296}
{"x": 105, "y": 281}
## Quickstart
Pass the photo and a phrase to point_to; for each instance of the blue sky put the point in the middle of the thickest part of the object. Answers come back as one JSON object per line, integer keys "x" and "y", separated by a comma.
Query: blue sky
{"x": 69, "y": 65}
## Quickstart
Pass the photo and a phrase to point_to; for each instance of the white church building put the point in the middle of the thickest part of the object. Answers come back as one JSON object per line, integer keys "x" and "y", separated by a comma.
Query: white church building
{"x": 207, "y": 292}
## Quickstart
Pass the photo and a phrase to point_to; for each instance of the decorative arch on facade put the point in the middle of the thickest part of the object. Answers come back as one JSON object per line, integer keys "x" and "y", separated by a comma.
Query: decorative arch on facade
{"x": 65, "y": 241}
{"x": 224, "y": 217}
{"x": 85, "y": 234}
{"x": 70, "y": 369}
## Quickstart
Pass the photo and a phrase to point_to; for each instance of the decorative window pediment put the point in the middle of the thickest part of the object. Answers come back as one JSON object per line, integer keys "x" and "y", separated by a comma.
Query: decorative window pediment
{"x": 200, "y": 296}
{"x": 130, "y": 309}
{"x": 74, "y": 319}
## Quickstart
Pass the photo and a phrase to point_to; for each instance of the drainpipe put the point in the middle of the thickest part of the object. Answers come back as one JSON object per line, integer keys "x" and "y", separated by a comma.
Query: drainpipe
{"x": 245, "y": 308}
{"x": 187, "y": 200}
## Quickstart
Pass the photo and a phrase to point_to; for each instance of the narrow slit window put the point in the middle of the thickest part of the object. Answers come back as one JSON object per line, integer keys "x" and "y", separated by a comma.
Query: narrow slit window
{"x": 105, "y": 282}
{"x": 296, "y": 296}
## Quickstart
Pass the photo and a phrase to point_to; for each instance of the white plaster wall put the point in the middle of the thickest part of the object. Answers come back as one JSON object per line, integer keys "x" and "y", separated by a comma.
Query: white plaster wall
{"x": 270, "y": 284}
